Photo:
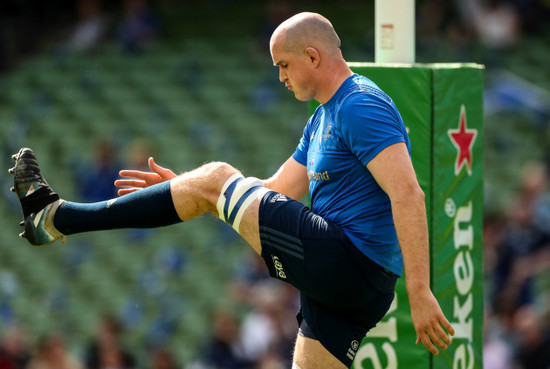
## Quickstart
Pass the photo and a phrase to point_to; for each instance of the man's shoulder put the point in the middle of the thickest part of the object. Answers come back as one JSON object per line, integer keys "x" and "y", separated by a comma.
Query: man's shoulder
{"x": 363, "y": 90}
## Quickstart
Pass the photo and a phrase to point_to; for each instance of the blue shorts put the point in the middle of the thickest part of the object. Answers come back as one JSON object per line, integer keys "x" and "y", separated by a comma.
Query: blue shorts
{"x": 343, "y": 292}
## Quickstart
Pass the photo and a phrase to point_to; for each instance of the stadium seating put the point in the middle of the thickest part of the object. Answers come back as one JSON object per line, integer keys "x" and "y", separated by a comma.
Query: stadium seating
{"x": 192, "y": 109}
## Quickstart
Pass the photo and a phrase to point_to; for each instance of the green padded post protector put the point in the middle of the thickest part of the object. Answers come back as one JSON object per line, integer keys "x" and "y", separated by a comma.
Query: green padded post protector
{"x": 442, "y": 107}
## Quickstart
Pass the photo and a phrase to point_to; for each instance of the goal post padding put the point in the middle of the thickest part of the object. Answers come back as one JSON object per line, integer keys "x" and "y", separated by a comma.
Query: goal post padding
{"x": 442, "y": 107}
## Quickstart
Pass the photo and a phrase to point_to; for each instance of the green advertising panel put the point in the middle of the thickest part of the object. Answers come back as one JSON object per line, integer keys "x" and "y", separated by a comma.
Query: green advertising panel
{"x": 458, "y": 210}
{"x": 442, "y": 107}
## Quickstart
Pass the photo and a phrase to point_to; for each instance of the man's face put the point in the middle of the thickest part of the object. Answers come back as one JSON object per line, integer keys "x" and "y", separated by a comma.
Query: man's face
{"x": 294, "y": 70}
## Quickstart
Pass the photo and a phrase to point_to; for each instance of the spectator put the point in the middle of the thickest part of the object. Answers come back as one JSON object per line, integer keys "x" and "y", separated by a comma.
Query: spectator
{"x": 90, "y": 27}
{"x": 137, "y": 152}
{"x": 106, "y": 351}
{"x": 13, "y": 349}
{"x": 247, "y": 275}
{"x": 534, "y": 340}
{"x": 496, "y": 22}
{"x": 52, "y": 354}
{"x": 497, "y": 352}
{"x": 138, "y": 27}
{"x": 95, "y": 181}
{"x": 269, "y": 329}
{"x": 523, "y": 238}
{"x": 517, "y": 253}
{"x": 163, "y": 359}
{"x": 223, "y": 349}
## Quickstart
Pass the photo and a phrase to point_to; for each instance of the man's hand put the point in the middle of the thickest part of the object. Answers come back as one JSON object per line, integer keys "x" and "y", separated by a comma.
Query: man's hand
{"x": 428, "y": 320}
{"x": 143, "y": 179}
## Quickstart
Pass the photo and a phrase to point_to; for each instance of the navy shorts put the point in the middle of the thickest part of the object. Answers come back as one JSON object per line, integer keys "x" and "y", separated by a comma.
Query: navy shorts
{"x": 343, "y": 292}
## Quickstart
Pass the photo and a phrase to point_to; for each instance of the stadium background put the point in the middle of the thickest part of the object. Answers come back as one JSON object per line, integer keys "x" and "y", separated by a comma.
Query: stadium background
{"x": 95, "y": 87}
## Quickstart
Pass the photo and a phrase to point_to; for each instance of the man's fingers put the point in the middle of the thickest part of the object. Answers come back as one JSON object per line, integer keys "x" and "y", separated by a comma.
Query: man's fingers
{"x": 126, "y": 191}
{"x": 155, "y": 167}
{"x": 152, "y": 165}
{"x": 443, "y": 335}
{"x": 445, "y": 323}
{"x": 438, "y": 336}
{"x": 165, "y": 173}
{"x": 435, "y": 336}
{"x": 428, "y": 343}
{"x": 432, "y": 328}
{"x": 133, "y": 173}
{"x": 139, "y": 179}
{"x": 129, "y": 183}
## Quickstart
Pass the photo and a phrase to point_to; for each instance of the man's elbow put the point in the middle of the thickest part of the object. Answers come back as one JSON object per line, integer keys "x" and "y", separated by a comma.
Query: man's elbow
{"x": 408, "y": 194}
{"x": 417, "y": 193}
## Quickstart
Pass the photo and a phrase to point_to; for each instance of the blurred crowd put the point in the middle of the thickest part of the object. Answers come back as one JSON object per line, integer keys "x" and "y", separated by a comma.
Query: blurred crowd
{"x": 262, "y": 334}
{"x": 517, "y": 283}
{"x": 52, "y": 351}
{"x": 257, "y": 331}
{"x": 453, "y": 28}
{"x": 27, "y": 26}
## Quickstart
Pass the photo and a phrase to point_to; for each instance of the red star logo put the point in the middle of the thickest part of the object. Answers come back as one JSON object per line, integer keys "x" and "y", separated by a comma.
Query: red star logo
{"x": 463, "y": 139}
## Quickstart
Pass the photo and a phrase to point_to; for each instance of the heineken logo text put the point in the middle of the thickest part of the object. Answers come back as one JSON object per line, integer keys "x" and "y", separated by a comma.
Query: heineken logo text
{"x": 463, "y": 268}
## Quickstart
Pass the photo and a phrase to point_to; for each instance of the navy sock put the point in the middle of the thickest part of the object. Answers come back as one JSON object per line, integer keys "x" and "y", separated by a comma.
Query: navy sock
{"x": 147, "y": 208}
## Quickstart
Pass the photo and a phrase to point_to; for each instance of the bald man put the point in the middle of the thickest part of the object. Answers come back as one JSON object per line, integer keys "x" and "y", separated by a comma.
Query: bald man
{"x": 367, "y": 218}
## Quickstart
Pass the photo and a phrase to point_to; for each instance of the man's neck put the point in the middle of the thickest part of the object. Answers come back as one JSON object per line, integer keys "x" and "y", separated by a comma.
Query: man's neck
{"x": 335, "y": 78}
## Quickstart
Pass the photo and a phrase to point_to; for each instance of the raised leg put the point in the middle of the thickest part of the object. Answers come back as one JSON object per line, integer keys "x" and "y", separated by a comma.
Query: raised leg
{"x": 48, "y": 218}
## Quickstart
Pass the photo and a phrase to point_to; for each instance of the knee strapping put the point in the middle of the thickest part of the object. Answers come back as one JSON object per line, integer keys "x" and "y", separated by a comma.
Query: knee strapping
{"x": 237, "y": 194}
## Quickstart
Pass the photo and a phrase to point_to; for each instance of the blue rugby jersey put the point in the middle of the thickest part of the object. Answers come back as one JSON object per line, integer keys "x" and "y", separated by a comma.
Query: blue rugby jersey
{"x": 339, "y": 140}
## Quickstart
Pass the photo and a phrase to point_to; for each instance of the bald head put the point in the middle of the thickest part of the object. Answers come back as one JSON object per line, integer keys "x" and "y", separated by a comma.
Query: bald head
{"x": 306, "y": 49}
{"x": 307, "y": 30}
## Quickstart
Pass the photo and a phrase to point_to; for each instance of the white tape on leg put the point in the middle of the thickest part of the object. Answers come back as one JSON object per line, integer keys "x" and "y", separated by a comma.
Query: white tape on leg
{"x": 258, "y": 192}
{"x": 237, "y": 194}
{"x": 221, "y": 200}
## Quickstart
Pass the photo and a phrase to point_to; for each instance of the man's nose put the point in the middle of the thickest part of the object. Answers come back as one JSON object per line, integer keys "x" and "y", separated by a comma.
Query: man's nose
{"x": 282, "y": 75}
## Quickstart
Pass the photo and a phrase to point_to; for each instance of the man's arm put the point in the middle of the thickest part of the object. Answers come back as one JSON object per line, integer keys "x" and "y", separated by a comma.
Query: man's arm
{"x": 392, "y": 168}
{"x": 291, "y": 180}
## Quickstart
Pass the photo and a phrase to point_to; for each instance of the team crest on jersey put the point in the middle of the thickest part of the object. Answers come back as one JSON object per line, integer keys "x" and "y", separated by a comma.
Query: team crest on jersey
{"x": 326, "y": 133}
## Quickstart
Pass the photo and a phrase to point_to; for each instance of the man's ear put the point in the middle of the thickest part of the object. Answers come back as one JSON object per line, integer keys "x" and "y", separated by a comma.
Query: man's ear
{"x": 313, "y": 56}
